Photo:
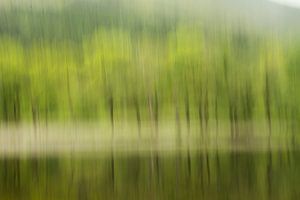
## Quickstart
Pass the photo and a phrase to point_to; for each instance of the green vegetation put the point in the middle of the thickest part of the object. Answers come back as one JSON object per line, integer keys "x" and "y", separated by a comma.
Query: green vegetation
{"x": 114, "y": 61}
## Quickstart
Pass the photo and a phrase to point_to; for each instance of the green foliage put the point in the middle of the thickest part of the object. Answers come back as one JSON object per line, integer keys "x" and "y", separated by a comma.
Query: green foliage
{"x": 57, "y": 66}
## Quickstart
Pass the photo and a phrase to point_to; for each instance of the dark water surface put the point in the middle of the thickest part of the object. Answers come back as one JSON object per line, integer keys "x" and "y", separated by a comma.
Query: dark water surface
{"x": 175, "y": 175}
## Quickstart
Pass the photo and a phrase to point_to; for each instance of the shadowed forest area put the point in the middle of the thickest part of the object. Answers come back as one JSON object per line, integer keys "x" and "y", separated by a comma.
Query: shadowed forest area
{"x": 149, "y": 99}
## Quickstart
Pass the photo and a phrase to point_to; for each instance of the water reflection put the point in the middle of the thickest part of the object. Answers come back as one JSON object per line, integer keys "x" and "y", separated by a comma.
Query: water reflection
{"x": 180, "y": 175}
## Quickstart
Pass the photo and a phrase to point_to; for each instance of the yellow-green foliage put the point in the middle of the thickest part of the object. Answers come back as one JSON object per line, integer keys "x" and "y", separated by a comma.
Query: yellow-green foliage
{"x": 115, "y": 70}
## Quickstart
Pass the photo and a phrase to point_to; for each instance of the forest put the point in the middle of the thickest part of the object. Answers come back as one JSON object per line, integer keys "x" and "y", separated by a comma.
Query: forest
{"x": 112, "y": 61}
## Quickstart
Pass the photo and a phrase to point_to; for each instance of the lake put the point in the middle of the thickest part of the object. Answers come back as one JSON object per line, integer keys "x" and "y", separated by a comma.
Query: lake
{"x": 184, "y": 174}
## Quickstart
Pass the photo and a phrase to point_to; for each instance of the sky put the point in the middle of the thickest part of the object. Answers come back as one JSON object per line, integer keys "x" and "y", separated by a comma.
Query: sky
{"x": 292, "y": 3}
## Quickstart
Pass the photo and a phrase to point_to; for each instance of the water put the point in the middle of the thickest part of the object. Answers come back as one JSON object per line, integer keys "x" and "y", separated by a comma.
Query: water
{"x": 168, "y": 175}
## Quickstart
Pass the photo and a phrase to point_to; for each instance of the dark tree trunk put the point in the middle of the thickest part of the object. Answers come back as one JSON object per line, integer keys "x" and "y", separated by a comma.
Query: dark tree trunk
{"x": 69, "y": 93}
{"x": 138, "y": 114}
{"x": 187, "y": 111}
{"x": 206, "y": 110}
{"x": 156, "y": 111}
{"x": 268, "y": 106}
{"x": 200, "y": 113}
{"x": 111, "y": 111}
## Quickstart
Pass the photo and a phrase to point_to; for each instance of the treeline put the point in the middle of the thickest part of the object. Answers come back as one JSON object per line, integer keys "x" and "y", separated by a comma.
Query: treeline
{"x": 183, "y": 70}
